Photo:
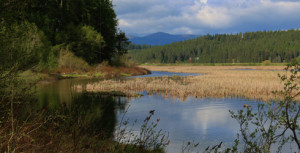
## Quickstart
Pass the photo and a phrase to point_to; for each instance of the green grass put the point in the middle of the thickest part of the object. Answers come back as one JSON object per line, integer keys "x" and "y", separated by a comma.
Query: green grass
{"x": 30, "y": 76}
{"x": 215, "y": 64}
{"x": 74, "y": 75}
{"x": 97, "y": 74}
{"x": 125, "y": 74}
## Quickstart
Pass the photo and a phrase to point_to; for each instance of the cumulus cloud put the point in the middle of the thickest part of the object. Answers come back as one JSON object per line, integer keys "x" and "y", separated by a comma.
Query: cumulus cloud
{"x": 206, "y": 16}
{"x": 203, "y": 1}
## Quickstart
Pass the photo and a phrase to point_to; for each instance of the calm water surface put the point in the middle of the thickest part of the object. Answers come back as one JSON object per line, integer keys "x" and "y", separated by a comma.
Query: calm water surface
{"x": 206, "y": 121}
{"x": 203, "y": 120}
{"x": 161, "y": 73}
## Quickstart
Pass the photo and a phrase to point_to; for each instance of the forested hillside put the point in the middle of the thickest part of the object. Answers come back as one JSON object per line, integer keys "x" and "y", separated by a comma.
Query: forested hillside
{"x": 43, "y": 29}
{"x": 160, "y": 38}
{"x": 250, "y": 47}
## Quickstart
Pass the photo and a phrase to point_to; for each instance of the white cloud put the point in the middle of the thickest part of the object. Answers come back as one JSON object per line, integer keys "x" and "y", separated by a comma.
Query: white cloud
{"x": 206, "y": 16}
{"x": 123, "y": 23}
{"x": 203, "y": 1}
{"x": 216, "y": 18}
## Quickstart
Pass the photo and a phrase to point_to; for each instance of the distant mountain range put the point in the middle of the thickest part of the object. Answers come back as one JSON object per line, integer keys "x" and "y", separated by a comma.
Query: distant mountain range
{"x": 160, "y": 38}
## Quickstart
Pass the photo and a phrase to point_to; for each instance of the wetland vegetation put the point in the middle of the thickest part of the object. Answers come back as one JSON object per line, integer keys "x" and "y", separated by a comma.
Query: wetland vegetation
{"x": 215, "y": 82}
{"x": 64, "y": 86}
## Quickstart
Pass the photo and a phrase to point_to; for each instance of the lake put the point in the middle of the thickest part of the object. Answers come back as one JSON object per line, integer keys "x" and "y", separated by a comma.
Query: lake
{"x": 203, "y": 120}
{"x": 206, "y": 121}
{"x": 161, "y": 74}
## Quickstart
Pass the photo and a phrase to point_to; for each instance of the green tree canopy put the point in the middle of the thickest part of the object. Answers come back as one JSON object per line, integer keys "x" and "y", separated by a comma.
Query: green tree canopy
{"x": 250, "y": 47}
{"x": 69, "y": 22}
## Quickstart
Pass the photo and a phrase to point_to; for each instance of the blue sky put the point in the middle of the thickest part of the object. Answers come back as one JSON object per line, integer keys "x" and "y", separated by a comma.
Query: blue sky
{"x": 141, "y": 17}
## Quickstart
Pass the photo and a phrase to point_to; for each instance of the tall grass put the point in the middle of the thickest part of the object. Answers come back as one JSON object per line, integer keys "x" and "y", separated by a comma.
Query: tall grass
{"x": 216, "y": 83}
{"x": 264, "y": 63}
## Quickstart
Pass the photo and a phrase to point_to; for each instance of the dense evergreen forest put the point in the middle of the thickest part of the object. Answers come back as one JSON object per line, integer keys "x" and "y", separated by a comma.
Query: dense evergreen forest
{"x": 250, "y": 47}
{"x": 41, "y": 29}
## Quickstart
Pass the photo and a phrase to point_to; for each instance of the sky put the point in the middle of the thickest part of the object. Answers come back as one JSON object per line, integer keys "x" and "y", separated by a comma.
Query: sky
{"x": 142, "y": 17}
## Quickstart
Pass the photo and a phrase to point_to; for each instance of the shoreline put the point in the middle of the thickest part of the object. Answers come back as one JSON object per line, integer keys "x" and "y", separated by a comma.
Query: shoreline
{"x": 105, "y": 72}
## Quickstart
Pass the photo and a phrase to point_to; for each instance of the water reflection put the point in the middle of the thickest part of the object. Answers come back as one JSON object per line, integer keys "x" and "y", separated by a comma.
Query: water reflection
{"x": 61, "y": 91}
{"x": 203, "y": 120}
{"x": 207, "y": 121}
{"x": 161, "y": 74}
{"x": 87, "y": 113}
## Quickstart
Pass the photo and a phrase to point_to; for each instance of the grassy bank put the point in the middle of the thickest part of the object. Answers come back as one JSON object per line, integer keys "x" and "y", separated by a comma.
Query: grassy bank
{"x": 67, "y": 65}
{"x": 100, "y": 72}
{"x": 215, "y": 64}
{"x": 218, "y": 82}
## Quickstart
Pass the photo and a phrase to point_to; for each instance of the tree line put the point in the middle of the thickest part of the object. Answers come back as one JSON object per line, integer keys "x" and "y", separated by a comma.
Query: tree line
{"x": 86, "y": 27}
{"x": 249, "y": 47}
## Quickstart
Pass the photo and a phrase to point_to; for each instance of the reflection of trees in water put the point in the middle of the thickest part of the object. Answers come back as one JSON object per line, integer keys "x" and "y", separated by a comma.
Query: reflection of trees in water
{"x": 60, "y": 92}
{"x": 89, "y": 117}
{"x": 89, "y": 113}
{"x": 97, "y": 112}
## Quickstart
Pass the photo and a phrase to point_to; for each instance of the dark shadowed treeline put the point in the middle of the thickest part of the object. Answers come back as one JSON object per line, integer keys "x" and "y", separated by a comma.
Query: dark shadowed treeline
{"x": 88, "y": 28}
{"x": 250, "y": 47}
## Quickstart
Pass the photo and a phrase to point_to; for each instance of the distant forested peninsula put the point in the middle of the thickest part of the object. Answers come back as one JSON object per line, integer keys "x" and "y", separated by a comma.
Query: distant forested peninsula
{"x": 249, "y": 47}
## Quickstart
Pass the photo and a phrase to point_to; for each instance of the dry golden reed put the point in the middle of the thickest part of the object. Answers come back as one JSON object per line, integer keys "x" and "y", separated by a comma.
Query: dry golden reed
{"x": 216, "y": 82}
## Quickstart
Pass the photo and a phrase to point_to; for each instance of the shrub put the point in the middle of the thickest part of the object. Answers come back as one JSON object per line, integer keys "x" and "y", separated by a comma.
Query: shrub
{"x": 21, "y": 44}
{"x": 68, "y": 61}
{"x": 266, "y": 62}
{"x": 276, "y": 122}
{"x": 90, "y": 45}
{"x": 149, "y": 137}
{"x": 122, "y": 60}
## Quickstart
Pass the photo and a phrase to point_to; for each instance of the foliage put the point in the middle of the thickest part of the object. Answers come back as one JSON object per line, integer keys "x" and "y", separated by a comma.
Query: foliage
{"x": 122, "y": 60}
{"x": 275, "y": 122}
{"x": 296, "y": 60}
{"x": 21, "y": 46}
{"x": 67, "y": 60}
{"x": 49, "y": 59}
{"x": 122, "y": 43}
{"x": 132, "y": 46}
{"x": 149, "y": 138}
{"x": 249, "y": 47}
{"x": 84, "y": 24}
{"x": 89, "y": 46}
{"x": 192, "y": 146}
{"x": 18, "y": 130}
{"x": 266, "y": 62}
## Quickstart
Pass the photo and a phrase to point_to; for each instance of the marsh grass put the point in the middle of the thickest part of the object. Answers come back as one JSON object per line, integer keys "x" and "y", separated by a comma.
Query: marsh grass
{"x": 216, "y": 64}
{"x": 218, "y": 82}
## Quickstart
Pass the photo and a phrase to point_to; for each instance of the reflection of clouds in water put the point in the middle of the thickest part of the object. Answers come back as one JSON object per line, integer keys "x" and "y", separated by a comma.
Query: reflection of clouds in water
{"x": 204, "y": 118}
{"x": 210, "y": 118}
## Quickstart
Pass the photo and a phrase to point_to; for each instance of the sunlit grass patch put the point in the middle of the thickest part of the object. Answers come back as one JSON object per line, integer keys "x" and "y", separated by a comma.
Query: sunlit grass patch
{"x": 218, "y": 82}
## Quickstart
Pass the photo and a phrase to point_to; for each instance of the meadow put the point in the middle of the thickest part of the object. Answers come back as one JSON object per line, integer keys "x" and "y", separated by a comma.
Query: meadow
{"x": 250, "y": 82}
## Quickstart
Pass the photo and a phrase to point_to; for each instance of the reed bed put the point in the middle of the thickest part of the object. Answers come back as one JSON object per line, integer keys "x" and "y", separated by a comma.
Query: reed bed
{"x": 208, "y": 69}
{"x": 218, "y": 82}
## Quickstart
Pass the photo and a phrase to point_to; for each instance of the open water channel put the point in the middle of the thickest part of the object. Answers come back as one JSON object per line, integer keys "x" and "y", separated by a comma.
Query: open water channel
{"x": 206, "y": 121}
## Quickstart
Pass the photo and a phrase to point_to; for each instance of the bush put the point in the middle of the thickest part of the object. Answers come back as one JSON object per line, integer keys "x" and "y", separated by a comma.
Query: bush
{"x": 266, "y": 62}
{"x": 67, "y": 61}
{"x": 296, "y": 60}
{"x": 21, "y": 44}
{"x": 149, "y": 138}
{"x": 90, "y": 45}
{"x": 122, "y": 60}
{"x": 276, "y": 122}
